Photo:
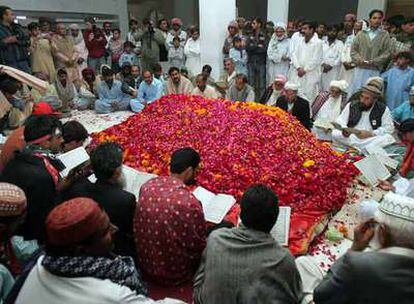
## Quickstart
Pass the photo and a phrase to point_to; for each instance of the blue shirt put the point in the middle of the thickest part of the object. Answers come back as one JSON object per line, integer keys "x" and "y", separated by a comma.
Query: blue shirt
{"x": 147, "y": 93}
{"x": 399, "y": 83}
{"x": 131, "y": 58}
{"x": 403, "y": 112}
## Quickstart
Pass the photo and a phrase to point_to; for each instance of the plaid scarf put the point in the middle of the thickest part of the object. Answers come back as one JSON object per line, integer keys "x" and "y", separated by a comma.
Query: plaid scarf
{"x": 120, "y": 270}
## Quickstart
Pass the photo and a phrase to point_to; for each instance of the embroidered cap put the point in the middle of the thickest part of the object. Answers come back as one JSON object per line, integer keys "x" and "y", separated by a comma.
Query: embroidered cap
{"x": 12, "y": 200}
{"x": 74, "y": 221}
{"x": 398, "y": 206}
{"x": 340, "y": 84}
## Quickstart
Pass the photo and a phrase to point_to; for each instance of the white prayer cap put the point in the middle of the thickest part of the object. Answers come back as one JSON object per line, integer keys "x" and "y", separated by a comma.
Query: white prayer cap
{"x": 367, "y": 209}
{"x": 74, "y": 26}
{"x": 280, "y": 25}
{"x": 290, "y": 85}
{"x": 340, "y": 84}
{"x": 397, "y": 206}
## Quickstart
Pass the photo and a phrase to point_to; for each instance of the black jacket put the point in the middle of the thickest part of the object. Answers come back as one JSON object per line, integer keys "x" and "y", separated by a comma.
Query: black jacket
{"x": 118, "y": 204}
{"x": 29, "y": 173}
{"x": 300, "y": 110}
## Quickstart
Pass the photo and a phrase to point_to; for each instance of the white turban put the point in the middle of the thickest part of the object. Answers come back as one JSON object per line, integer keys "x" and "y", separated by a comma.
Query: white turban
{"x": 74, "y": 26}
{"x": 290, "y": 85}
{"x": 340, "y": 84}
{"x": 280, "y": 25}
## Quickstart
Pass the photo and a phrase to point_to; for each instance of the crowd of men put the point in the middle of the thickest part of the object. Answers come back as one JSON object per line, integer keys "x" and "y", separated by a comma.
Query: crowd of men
{"x": 82, "y": 240}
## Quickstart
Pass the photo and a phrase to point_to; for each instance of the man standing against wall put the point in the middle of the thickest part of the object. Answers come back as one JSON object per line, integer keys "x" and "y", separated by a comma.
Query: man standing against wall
{"x": 370, "y": 51}
{"x": 13, "y": 42}
{"x": 256, "y": 47}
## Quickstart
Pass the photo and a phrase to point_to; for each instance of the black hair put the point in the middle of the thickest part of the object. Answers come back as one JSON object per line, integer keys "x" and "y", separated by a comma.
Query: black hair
{"x": 194, "y": 29}
{"x": 133, "y": 21}
{"x": 62, "y": 72}
{"x": 258, "y": 20}
{"x": 106, "y": 22}
{"x": 408, "y": 20}
{"x": 407, "y": 126}
{"x": 322, "y": 23}
{"x": 333, "y": 26}
{"x": 9, "y": 85}
{"x": 242, "y": 76}
{"x": 32, "y": 26}
{"x": 237, "y": 38}
{"x": 116, "y": 30}
{"x": 161, "y": 20}
{"x": 3, "y": 10}
{"x": 396, "y": 20}
{"x": 107, "y": 71}
{"x": 156, "y": 67}
{"x": 263, "y": 289}
{"x": 105, "y": 159}
{"x": 43, "y": 20}
{"x": 406, "y": 55}
{"x": 375, "y": 11}
{"x": 128, "y": 43}
{"x": 207, "y": 68}
{"x": 203, "y": 77}
{"x": 90, "y": 20}
{"x": 259, "y": 208}
{"x": 74, "y": 131}
{"x": 41, "y": 125}
{"x": 184, "y": 158}
{"x": 312, "y": 24}
{"x": 145, "y": 21}
{"x": 172, "y": 69}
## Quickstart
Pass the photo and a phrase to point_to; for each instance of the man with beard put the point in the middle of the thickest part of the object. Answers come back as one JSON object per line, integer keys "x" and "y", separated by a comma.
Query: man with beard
{"x": 383, "y": 275}
{"x": 169, "y": 226}
{"x": 107, "y": 191}
{"x": 178, "y": 84}
{"x": 111, "y": 97}
{"x": 365, "y": 121}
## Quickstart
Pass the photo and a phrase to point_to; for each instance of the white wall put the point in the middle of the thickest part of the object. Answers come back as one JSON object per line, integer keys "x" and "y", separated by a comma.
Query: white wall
{"x": 278, "y": 10}
{"x": 215, "y": 16}
{"x": 111, "y": 7}
{"x": 365, "y": 6}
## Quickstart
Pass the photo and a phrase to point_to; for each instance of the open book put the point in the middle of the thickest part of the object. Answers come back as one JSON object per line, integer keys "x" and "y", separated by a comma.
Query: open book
{"x": 382, "y": 156}
{"x": 73, "y": 159}
{"x": 373, "y": 169}
{"x": 280, "y": 231}
{"x": 135, "y": 179}
{"x": 215, "y": 207}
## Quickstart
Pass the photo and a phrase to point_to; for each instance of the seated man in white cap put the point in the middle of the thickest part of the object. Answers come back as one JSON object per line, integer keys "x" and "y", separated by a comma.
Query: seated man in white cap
{"x": 295, "y": 105}
{"x": 366, "y": 121}
{"x": 384, "y": 275}
{"x": 327, "y": 107}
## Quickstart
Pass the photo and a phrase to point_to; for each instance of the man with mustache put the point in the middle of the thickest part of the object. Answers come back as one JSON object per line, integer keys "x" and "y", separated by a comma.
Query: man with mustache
{"x": 365, "y": 121}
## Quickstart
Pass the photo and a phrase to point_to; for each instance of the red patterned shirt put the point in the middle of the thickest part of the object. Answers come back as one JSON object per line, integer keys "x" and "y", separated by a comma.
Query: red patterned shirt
{"x": 170, "y": 231}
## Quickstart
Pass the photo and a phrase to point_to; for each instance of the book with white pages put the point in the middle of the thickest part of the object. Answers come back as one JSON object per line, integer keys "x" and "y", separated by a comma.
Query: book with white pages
{"x": 215, "y": 206}
{"x": 134, "y": 179}
{"x": 373, "y": 169}
{"x": 280, "y": 231}
{"x": 382, "y": 156}
{"x": 72, "y": 159}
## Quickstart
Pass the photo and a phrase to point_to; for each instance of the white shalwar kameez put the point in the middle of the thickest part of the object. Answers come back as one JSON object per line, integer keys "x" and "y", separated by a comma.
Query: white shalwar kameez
{"x": 347, "y": 75}
{"x": 309, "y": 57}
{"x": 381, "y": 134}
{"x": 332, "y": 56}
{"x": 329, "y": 112}
{"x": 192, "y": 52}
{"x": 276, "y": 51}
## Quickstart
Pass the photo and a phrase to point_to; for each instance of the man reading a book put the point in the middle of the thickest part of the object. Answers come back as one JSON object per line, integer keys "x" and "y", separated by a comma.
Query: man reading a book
{"x": 234, "y": 257}
{"x": 366, "y": 121}
{"x": 169, "y": 225}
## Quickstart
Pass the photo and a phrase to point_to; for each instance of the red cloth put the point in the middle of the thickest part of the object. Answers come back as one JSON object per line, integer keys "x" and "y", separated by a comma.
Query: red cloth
{"x": 408, "y": 161}
{"x": 169, "y": 231}
{"x": 96, "y": 48}
{"x": 75, "y": 220}
{"x": 15, "y": 142}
